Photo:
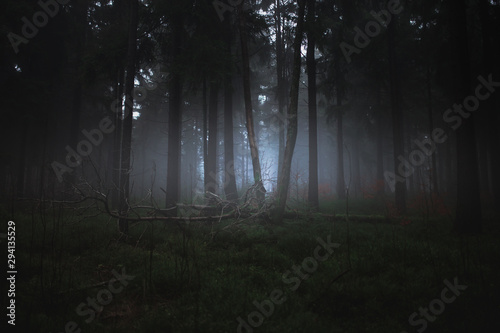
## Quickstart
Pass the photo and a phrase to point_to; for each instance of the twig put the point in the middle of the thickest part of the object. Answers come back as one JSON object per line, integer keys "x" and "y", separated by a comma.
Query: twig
{"x": 323, "y": 293}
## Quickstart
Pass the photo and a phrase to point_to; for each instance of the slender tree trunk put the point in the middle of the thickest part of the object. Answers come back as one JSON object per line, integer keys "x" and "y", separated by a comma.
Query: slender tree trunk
{"x": 380, "y": 183}
{"x": 254, "y": 151}
{"x": 229, "y": 176}
{"x": 211, "y": 157}
{"x": 117, "y": 141}
{"x": 174, "y": 123}
{"x": 397, "y": 117}
{"x": 468, "y": 216}
{"x": 205, "y": 132}
{"x": 243, "y": 164}
{"x": 127, "y": 121}
{"x": 313, "y": 117}
{"x": 339, "y": 80}
{"x": 450, "y": 168}
{"x": 356, "y": 170}
{"x": 491, "y": 114}
{"x": 21, "y": 165}
{"x": 291, "y": 136}
{"x": 434, "y": 176}
{"x": 412, "y": 179}
{"x": 340, "y": 150}
{"x": 80, "y": 15}
{"x": 281, "y": 89}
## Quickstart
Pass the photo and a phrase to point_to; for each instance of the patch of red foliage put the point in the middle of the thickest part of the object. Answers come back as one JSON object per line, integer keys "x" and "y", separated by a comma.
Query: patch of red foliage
{"x": 369, "y": 191}
{"x": 325, "y": 192}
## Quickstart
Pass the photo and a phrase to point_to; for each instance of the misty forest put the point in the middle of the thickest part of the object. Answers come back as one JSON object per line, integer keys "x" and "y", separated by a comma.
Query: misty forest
{"x": 250, "y": 165}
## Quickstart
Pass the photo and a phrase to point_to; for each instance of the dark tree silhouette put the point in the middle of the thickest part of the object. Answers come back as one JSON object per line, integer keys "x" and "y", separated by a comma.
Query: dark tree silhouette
{"x": 313, "y": 118}
{"x": 291, "y": 135}
{"x": 128, "y": 115}
{"x": 254, "y": 150}
{"x": 468, "y": 218}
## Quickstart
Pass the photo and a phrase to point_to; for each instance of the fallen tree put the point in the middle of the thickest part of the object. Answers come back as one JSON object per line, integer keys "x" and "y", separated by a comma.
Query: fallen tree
{"x": 220, "y": 209}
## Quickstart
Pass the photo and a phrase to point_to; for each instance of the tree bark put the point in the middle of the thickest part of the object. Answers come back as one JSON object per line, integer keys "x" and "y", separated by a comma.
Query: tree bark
{"x": 281, "y": 86}
{"x": 80, "y": 16}
{"x": 211, "y": 156}
{"x": 491, "y": 114}
{"x": 397, "y": 117}
{"x": 229, "y": 176}
{"x": 313, "y": 117}
{"x": 117, "y": 141}
{"x": 433, "y": 175}
{"x": 254, "y": 151}
{"x": 356, "y": 169}
{"x": 291, "y": 136}
{"x": 128, "y": 116}
{"x": 174, "y": 122}
{"x": 468, "y": 216}
{"x": 340, "y": 135}
{"x": 380, "y": 183}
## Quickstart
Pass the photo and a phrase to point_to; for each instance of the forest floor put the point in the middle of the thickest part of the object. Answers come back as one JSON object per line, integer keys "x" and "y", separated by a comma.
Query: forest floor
{"x": 364, "y": 273}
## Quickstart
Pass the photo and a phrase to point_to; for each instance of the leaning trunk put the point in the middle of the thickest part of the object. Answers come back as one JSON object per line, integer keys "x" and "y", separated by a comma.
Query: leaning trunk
{"x": 254, "y": 151}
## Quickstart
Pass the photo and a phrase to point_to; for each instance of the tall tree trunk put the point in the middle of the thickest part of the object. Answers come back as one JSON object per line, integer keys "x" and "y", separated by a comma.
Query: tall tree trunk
{"x": 243, "y": 164}
{"x": 468, "y": 216}
{"x": 339, "y": 82}
{"x": 397, "y": 117}
{"x": 313, "y": 117}
{"x": 21, "y": 165}
{"x": 229, "y": 176}
{"x": 117, "y": 141}
{"x": 340, "y": 135}
{"x": 127, "y": 121}
{"x": 412, "y": 179}
{"x": 254, "y": 151}
{"x": 291, "y": 136}
{"x": 281, "y": 85}
{"x": 380, "y": 183}
{"x": 450, "y": 167}
{"x": 80, "y": 15}
{"x": 491, "y": 114}
{"x": 341, "y": 187}
{"x": 434, "y": 175}
{"x": 211, "y": 157}
{"x": 174, "y": 122}
{"x": 356, "y": 170}
{"x": 205, "y": 131}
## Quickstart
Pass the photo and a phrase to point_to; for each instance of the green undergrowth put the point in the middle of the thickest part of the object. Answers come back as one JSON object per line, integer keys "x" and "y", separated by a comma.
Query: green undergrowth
{"x": 203, "y": 277}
